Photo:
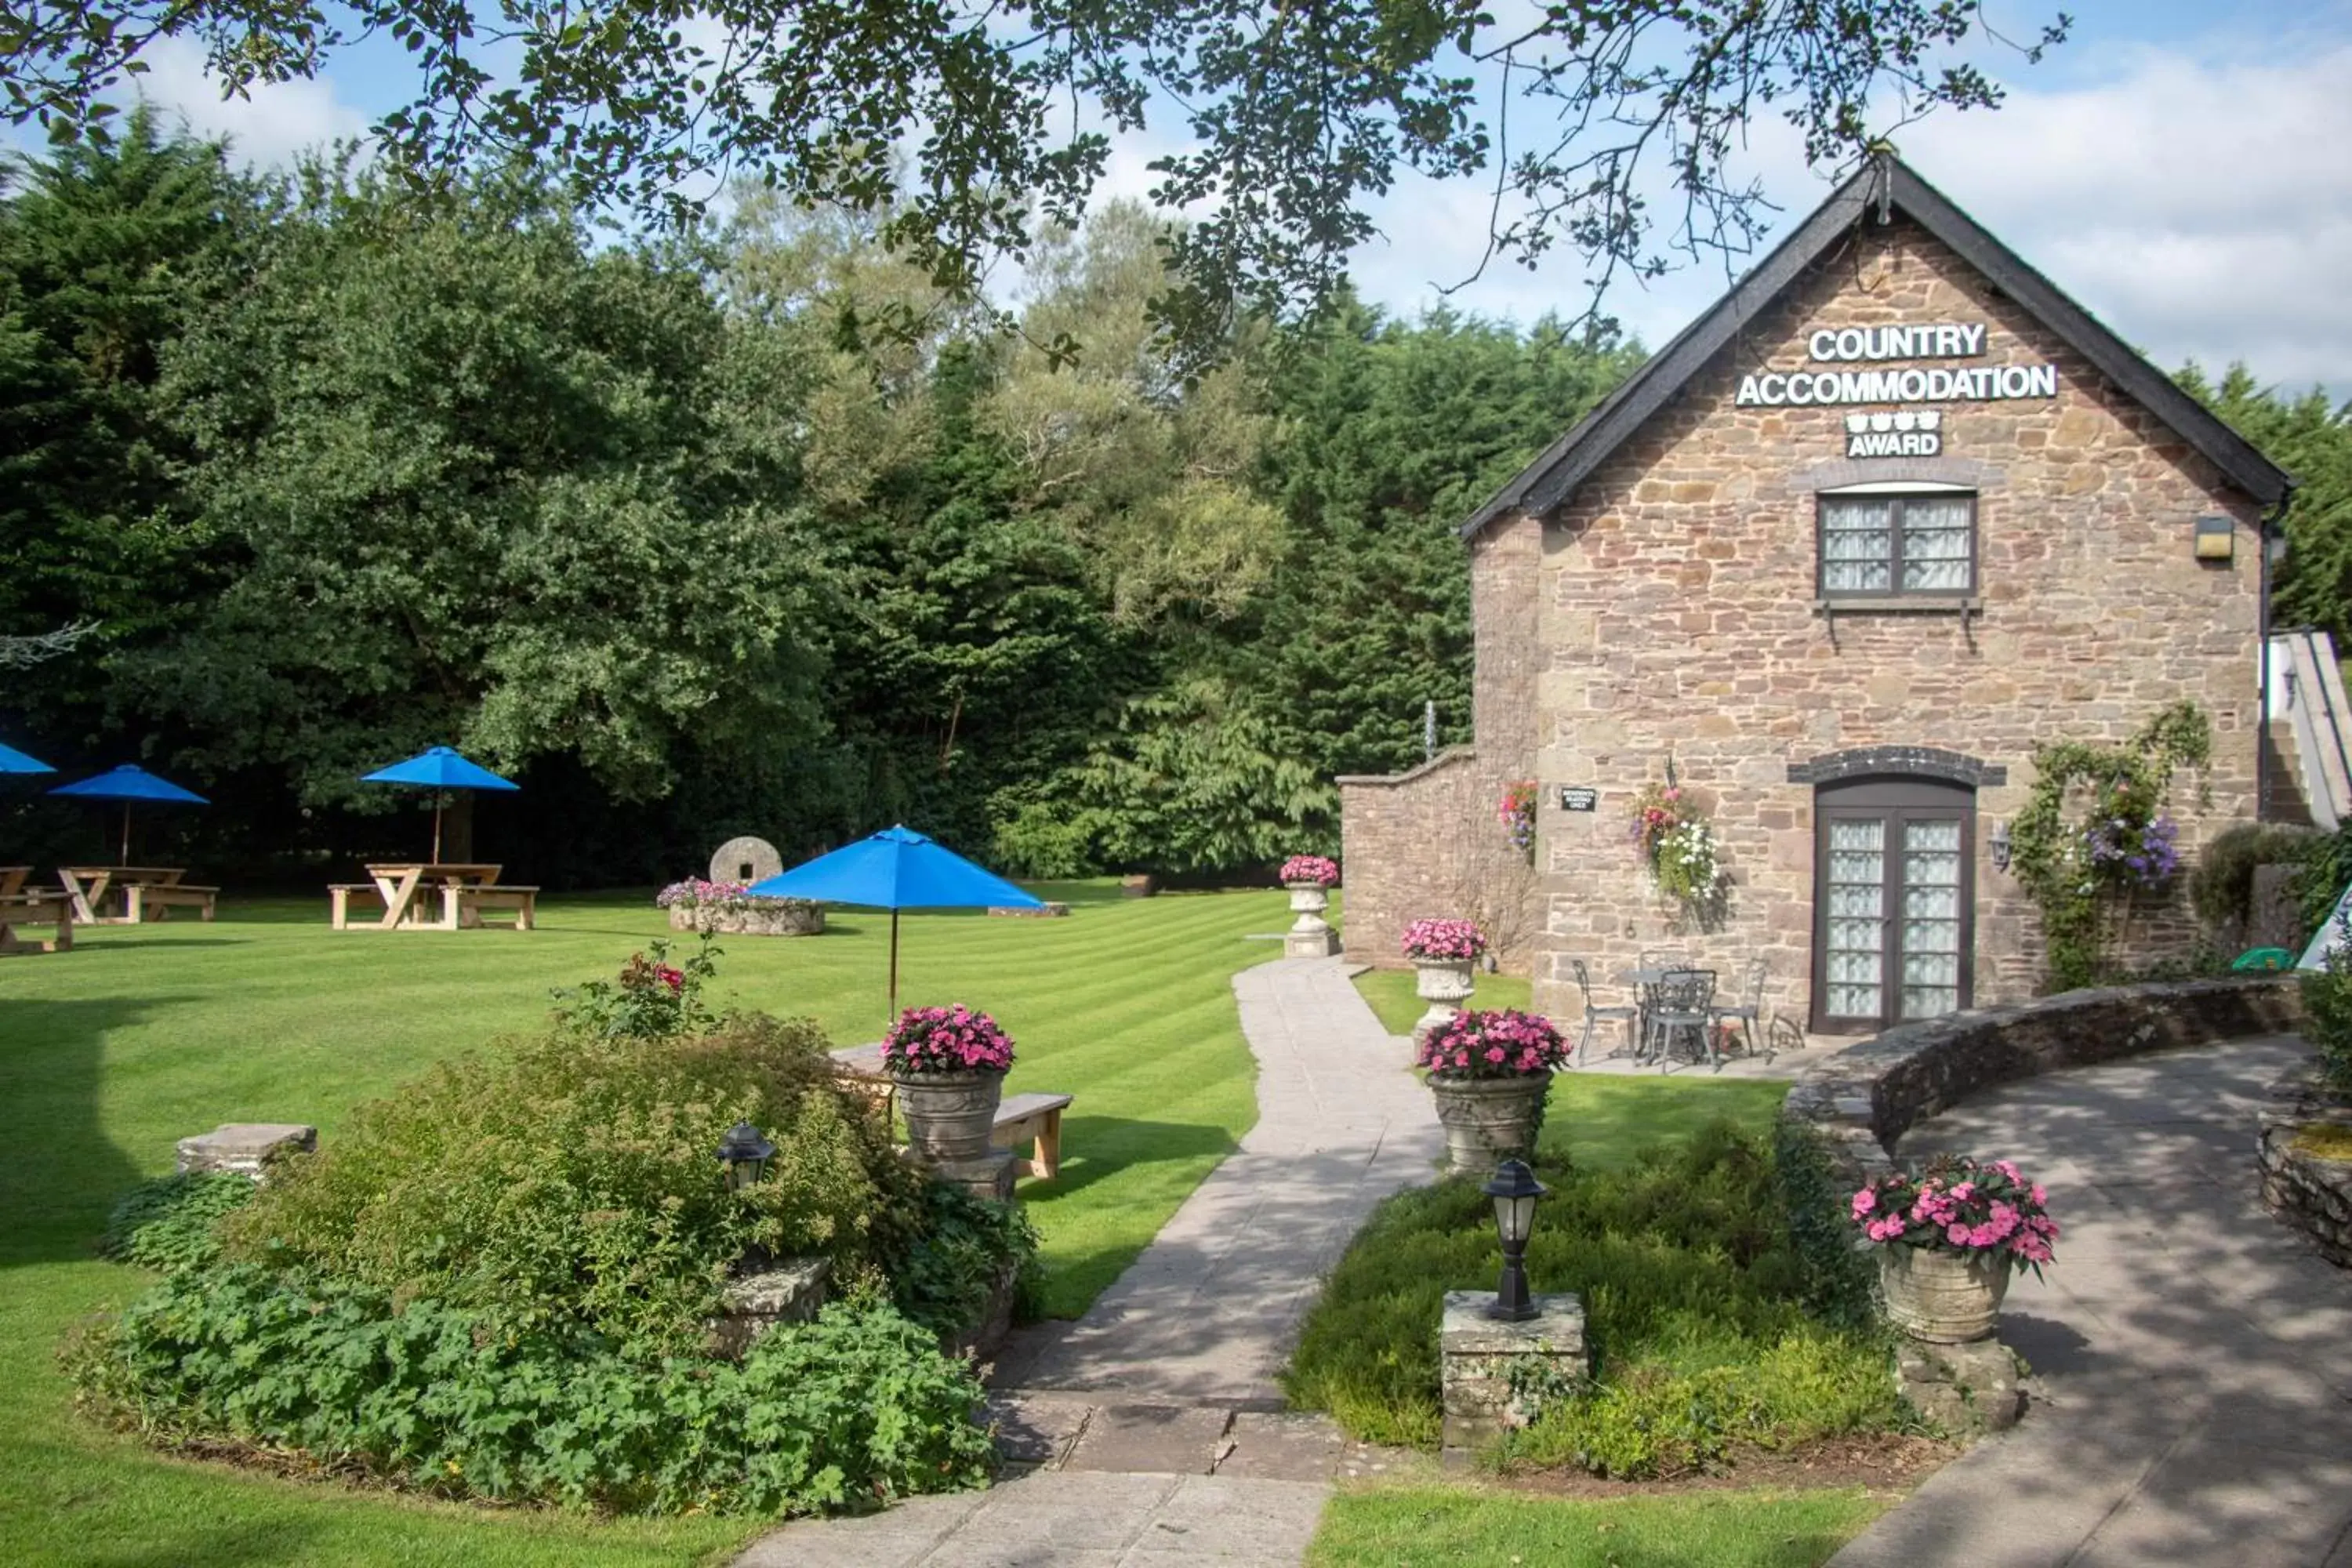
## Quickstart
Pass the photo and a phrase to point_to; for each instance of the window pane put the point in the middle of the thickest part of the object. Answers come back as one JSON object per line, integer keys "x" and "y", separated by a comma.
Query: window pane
{"x": 1936, "y": 544}
{"x": 1857, "y": 544}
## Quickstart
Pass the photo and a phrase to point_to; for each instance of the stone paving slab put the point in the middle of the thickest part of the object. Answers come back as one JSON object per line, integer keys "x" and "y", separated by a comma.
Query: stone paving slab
{"x": 2195, "y": 1356}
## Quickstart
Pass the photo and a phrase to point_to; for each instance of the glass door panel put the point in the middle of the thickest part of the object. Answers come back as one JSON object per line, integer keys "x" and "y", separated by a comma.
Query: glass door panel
{"x": 1855, "y": 952}
{"x": 1931, "y": 917}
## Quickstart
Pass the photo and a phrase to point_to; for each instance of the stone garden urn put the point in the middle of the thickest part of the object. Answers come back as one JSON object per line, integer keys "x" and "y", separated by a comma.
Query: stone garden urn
{"x": 1488, "y": 1119}
{"x": 1311, "y": 935}
{"x": 1444, "y": 983}
{"x": 949, "y": 1115}
{"x": 1944, "y": 1297}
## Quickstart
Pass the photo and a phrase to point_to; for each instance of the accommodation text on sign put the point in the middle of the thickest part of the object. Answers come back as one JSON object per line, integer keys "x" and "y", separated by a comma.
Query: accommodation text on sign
{"x": 1909, "y": 384}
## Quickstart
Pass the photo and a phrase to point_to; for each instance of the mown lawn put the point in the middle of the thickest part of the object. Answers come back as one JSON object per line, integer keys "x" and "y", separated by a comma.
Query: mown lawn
{"x": 1438, "y": 1526}
{"x": 1390, "y": 991}
{"x": 138, "y": 1037}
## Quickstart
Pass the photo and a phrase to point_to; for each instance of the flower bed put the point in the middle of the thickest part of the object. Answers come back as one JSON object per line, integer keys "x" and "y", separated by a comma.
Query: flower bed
{"x": 1496, "y": 1043}
{"x": 731, "y": 909}
{"x": 1443, "y": 942}
{"x": 1306, "y": 868}
{"x": 946, "y": 1039}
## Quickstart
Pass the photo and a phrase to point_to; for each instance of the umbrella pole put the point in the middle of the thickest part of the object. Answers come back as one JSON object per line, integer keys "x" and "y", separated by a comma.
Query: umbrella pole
{"x": 437, "y": 827}
{"x": 126, "y": 833}
{"x": 894, "y": 968}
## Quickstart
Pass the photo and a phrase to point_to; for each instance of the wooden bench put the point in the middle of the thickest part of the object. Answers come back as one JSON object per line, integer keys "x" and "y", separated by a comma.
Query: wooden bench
{"x": 472, "y": 898}
{"x": 1035, "y": 1119}
{"x": 339, "y": 897}
{"x": 144, "y": 901}
{"x": 35, "y": 908}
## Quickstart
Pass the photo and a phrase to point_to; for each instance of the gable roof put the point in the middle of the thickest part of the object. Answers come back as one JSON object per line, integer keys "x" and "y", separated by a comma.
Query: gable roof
{"x": 1891, "y": 185}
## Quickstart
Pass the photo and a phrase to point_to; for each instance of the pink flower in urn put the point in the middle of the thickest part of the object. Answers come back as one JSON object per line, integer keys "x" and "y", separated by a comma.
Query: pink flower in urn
{"x": 1865, "y": 1202}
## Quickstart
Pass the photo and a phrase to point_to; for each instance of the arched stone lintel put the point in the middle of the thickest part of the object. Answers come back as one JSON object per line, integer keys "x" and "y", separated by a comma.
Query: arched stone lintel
{"x": 1915, "y": 761}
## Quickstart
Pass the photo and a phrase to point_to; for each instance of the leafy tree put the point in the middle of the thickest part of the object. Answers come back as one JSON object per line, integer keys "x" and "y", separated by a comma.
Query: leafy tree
{"x": 1292, "y": 119}
{"x": 487, "y": 485}
{"x": 105, "y": 253}
{"x": 2312, "y": 439}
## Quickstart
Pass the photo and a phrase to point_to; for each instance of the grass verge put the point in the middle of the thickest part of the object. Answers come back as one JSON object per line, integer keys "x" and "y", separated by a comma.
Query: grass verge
{"x": 1391, "y": 994}
{"x": 1693, "y": 1290}
{"x": 138, "y": 1036}
{"x": 1439, "y": 1527}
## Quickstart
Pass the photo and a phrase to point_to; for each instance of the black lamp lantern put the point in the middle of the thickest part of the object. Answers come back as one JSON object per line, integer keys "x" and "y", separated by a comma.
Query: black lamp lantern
{"x": 745, "y": 1153}
{"x": 1515, "y": 1191}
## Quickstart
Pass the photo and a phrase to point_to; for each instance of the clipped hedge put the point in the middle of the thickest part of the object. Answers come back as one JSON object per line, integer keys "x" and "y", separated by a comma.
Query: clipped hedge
{"x": 850, "y": 1410}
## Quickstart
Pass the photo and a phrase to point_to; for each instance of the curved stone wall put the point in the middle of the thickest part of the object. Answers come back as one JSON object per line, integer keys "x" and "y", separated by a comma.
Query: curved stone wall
{"x": 2307, "y": 1189}
{"x": 1870, "y": 1094}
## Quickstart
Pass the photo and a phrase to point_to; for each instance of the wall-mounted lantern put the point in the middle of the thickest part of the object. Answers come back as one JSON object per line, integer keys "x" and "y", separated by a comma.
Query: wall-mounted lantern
{"x": 2216, "y": 538}
{"x": 2000, "y": 846}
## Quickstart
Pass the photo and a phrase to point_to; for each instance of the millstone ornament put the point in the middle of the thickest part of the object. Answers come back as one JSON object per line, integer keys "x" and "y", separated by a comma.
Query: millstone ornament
{"x": 745, "y": 860}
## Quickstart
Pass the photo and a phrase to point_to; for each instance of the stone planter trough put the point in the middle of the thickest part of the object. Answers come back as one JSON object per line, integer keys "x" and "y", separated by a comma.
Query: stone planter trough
{"x": 787, "y": 917}
{"x": 1488, "y": 1119}
{"x": 1943, "y": 1298}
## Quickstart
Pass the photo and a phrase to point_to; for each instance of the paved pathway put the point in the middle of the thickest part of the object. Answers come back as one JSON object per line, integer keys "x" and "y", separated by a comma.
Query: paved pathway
{"x": 1153, "y": 1421}
{"x": 2194, "y": 1358}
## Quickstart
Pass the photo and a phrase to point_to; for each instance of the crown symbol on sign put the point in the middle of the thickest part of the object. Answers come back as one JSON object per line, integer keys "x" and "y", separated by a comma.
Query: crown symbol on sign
{"x": 1931, "y": 418}
{"x": 1855, "y": 424}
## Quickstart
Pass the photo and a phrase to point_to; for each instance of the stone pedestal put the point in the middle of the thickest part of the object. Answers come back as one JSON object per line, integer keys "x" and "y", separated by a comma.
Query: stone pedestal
{"x": 989, "y": 1176}
{"x": 790, "y": 1292}
{"x": 1479, "y": 1358}
{"x": 1968, "y": 1390}
{"x": 248, "y": 1148}
{"x": 1444, "y": 984}
{"x": 1311, "y": 935}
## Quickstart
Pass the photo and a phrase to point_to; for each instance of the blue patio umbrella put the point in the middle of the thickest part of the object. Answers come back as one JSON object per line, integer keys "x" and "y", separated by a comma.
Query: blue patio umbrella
{"x": 13, "y": 761}
{"x": 897, "y": 869}
{"x": 129, "y": 784}
{"x": 437, "y": 769}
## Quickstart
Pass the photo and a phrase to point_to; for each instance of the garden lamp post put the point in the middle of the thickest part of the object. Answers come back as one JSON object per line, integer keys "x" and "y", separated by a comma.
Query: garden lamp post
{"x": 1515, "y": 1191}
{"x": 745, "y": 1153}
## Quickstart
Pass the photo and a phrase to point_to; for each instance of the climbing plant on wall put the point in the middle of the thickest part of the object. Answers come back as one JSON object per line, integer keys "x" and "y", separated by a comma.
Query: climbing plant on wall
{"x": 2095, "y": 836}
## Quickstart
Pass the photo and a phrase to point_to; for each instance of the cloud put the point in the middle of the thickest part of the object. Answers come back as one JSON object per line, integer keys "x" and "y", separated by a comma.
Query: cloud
{"x": 266, "y": 130}
{"x": 2198, "y": 202}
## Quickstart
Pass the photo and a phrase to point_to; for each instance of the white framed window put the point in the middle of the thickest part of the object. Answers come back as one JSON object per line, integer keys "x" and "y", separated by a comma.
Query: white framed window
{"x": 1897, "y": 541}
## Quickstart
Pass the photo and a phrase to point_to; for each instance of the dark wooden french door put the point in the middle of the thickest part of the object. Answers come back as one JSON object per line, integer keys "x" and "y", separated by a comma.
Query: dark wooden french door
{"x": 1894, "y": 902}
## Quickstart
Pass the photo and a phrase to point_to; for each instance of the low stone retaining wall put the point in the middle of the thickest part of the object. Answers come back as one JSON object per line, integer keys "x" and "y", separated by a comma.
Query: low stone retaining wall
{"x": 2306, "y": 1190}
{"x": 1872, "y": 1093}
{"x": 792, "y": 917}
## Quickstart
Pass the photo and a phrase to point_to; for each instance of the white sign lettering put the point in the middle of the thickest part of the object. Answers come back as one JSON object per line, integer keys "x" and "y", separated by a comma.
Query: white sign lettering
{"x": 1977, "y": 383}
{"x": 1939, "y": 340}
{"x": 1907, "y": 433}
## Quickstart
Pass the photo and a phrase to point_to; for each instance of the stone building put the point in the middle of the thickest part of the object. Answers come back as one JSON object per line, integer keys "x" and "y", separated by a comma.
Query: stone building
{"x": 1889, "y": 515}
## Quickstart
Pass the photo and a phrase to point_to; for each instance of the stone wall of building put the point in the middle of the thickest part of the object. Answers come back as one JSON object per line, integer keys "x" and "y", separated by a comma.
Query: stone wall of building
{"x": 1430, "y": 842}
{"x": 1675, "y": 616}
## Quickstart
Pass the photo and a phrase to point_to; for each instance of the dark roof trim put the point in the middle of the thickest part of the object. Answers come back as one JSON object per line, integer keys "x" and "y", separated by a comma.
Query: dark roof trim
{"x": 1547, "y": 481}
{"x": 1917, "y": 761}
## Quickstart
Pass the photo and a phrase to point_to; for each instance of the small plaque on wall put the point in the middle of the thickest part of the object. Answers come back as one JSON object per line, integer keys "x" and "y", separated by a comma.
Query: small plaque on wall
{"x": 1578, "y": 797}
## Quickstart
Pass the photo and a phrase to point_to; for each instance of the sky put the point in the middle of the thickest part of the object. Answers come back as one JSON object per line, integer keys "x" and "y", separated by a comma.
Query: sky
{"x": 2179, "y": 168}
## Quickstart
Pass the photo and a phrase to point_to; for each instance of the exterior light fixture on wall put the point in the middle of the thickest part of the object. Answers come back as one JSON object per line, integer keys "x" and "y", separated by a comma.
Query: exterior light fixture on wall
{"x": 2274, "y": 545}
{"x": 2215, "y": 537}
{"x": 1999, "y": 843}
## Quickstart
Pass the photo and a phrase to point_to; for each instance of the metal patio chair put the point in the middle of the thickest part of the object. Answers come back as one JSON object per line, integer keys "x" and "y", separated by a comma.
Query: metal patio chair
{"x": 1749, "y": 1011}
{"x": 1683, "y": 1002}
{"x": 1622, "y": 1012}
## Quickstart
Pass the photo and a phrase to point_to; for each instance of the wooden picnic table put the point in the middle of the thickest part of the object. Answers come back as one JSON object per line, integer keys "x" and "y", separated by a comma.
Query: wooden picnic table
{"x": 37, "y": 907}
{"x": 398, "y": 883}
{"x": 88, "y": 887}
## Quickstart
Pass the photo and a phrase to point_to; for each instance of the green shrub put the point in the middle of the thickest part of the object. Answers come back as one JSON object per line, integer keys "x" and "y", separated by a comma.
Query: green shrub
{"x": 1692, "y": 1286}
{"x": 2327, "y": 1011}
{"x": 173, "y": 1222}
{"x": 2221, "y": 884}
{"x": 571, "y": 1182}
{"x": 945, "y": 1275}
{"x": 850, "y": 1410}
{"x": 1837, "y": 1279}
